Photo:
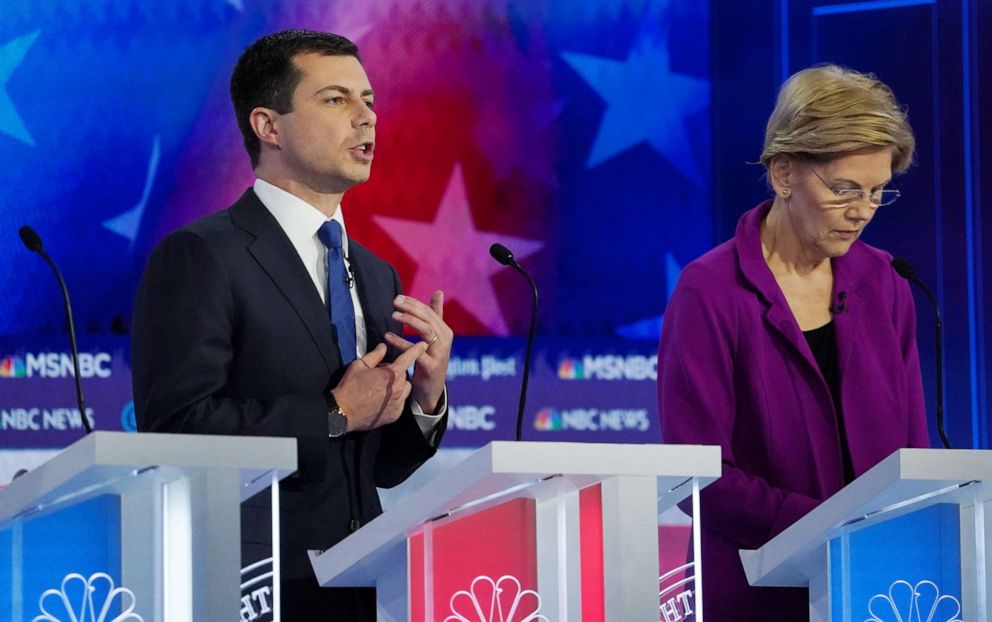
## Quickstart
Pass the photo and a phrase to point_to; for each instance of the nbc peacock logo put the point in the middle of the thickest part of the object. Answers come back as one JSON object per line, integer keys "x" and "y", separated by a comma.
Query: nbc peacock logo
{"x": 499, "y": 600}
{"x": 93, "y": 599}
{"x": 13, "y": 367}
{"x": 906, "y": 602}
{"x": 571, "y": 369}
{"x": 547, "y": 420}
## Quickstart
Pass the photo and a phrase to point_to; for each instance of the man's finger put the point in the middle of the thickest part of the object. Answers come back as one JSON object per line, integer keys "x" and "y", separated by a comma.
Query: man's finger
{"x": 413, "y": 307}
{"x": 418, "y": 325}
{"x": 397, "y": 341}
{"x": 373, "y": 358}
{"x": 410, "y": 355}
{"x": 437, "y": 303}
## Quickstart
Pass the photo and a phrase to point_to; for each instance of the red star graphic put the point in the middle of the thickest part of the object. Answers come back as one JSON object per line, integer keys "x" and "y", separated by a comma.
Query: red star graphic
{"x": 462, "y": 270}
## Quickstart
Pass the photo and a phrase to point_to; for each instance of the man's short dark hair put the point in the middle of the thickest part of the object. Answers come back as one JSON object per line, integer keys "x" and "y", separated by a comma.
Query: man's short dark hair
{"x": 266, "y": 75}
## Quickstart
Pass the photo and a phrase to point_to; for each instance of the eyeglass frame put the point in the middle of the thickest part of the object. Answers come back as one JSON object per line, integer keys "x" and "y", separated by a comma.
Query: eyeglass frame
{"x": 849, "y": 196}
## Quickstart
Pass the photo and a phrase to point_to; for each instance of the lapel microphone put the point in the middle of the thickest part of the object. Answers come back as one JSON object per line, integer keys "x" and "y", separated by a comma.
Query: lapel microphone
{"x": 349, "y": 278}
{"x": 840, "y": 305}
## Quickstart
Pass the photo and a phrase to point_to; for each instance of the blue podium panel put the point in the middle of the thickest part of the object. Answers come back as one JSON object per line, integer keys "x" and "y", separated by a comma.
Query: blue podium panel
{"x": 124, "y": 527}
{"x": 65, "y": 565}
{"x": 904, "y": 569}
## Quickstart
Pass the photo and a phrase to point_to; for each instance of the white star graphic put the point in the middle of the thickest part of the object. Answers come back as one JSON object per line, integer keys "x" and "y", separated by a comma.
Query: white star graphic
{"x": 646, "y": 101}
{"x": 11, "y": 55}
{"x": 462, "y": 267}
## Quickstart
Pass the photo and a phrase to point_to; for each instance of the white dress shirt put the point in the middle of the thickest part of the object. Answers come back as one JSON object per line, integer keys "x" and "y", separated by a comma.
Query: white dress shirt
{"x": 301, "y": 222}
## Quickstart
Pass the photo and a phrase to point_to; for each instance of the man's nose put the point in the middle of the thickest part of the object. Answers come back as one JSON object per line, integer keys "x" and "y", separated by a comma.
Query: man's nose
{"x": 365, "y": 118}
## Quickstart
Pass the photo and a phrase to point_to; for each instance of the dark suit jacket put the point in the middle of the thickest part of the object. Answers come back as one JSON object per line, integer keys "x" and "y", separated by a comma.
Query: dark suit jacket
{"x": 230, "y": 336}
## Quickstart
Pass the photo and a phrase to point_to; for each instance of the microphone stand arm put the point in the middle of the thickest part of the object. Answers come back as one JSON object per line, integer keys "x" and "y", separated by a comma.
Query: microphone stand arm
{"x": 72, "y": 341}
{"x": 530, "y": 348}
{"x": 938, "y": 344}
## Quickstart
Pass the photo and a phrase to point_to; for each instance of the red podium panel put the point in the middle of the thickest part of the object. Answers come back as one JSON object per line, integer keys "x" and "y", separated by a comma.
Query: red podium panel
{"x": 470, "y": 557}
{"x": 526, "y": 532}
{"x": 591, "y": 543}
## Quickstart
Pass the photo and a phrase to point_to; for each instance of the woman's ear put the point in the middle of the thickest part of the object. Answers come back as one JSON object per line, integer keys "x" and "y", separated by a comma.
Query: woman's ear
{"x": 780, "y": 173}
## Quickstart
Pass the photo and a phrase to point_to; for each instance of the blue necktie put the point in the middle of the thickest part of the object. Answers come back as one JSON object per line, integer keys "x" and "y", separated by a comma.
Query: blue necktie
{"x": 342, "y": 312}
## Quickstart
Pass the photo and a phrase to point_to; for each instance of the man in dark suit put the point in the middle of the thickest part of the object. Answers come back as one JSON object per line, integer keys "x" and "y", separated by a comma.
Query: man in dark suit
{"x": 265, "y": 319}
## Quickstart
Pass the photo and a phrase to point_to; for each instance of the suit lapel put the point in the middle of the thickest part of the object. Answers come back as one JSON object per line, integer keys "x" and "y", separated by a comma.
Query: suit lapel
{"x": 848, "y": 323}
{"x": 374, "y": 293}
{"x": 276, "y": 255}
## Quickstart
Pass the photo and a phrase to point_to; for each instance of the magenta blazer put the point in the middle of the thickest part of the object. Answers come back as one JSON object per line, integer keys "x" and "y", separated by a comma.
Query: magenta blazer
{"x": 734, "y": 370}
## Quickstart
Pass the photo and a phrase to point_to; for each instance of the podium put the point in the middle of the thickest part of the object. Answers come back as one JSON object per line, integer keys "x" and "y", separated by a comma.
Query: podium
{"x": 909, "y": 540}
{"x": 527, "y": 531}
{"x": 134, "y": 527}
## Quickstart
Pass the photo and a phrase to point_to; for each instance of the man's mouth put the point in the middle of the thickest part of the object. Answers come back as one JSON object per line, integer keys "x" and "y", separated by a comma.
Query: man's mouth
{"x": 363, "y": 151}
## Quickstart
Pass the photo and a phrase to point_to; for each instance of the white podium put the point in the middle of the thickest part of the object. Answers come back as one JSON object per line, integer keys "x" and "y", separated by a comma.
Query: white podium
{"x": 527, "y": 530}
{"x": 909, "y": 540}
{"x": 132, "y": 527}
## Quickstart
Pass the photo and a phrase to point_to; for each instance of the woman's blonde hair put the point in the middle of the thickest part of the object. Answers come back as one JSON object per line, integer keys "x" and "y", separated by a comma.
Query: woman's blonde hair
{"x": 827, "y": 111}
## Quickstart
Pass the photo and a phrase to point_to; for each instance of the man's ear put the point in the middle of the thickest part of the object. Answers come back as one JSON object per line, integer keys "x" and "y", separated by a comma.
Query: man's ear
{"x": 782, "y": 174}
{"x": 264, "y": 123}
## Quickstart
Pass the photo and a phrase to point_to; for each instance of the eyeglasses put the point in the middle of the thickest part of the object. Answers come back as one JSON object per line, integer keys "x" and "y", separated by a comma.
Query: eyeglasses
{"x": 849, "y": 196}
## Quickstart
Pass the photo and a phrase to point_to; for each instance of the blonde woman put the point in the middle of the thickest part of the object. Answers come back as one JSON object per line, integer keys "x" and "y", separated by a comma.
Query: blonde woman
{"x": 793, "y": 345}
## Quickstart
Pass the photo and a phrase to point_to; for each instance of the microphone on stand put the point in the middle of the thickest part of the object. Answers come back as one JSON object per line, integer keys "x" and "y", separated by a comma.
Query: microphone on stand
{"x": 905, "y": 269}
{"x": 32, "y": 240}
{"x": 503, "y": 255}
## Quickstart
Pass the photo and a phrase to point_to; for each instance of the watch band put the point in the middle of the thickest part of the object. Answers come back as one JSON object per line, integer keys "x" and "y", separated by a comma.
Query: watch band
{"x": 337, "y": 420}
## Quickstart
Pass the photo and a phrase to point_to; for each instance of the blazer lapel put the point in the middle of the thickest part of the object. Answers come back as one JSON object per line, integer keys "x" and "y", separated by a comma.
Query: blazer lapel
{"x": 278, "y": 258}
{"x": 848, "y": 322}
{"x": 779, "y": 319}
{"x": 778, "y": 316}
{"x": 374, "y": 293}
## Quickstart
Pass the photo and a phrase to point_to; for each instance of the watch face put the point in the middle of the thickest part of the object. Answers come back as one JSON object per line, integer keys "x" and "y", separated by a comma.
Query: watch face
{"x": 337, "y": 423}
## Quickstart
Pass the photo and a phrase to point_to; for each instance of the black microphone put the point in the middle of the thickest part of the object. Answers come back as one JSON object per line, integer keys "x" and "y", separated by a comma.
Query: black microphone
{"x": 905, "y": 269}
{"x": 349, "y": 279}
{"x": 503, "y": 255}
{"x": 32, "y": 240}
{"x": 841, "y": 305}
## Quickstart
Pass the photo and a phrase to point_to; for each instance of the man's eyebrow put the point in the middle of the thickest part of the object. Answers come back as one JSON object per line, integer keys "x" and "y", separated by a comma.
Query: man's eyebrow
{"x": 344, "y": 90}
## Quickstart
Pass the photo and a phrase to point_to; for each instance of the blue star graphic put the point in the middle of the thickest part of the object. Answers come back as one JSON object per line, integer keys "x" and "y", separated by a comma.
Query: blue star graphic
{"x": 650, "y": 328}
{"x": 127, "y": 224}
{"x": 646, "y": 101}
{"x": 11, "y": 55}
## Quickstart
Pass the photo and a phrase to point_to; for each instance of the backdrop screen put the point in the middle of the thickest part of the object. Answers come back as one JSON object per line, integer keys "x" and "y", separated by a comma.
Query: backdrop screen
{"x": 576, "y": 133}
